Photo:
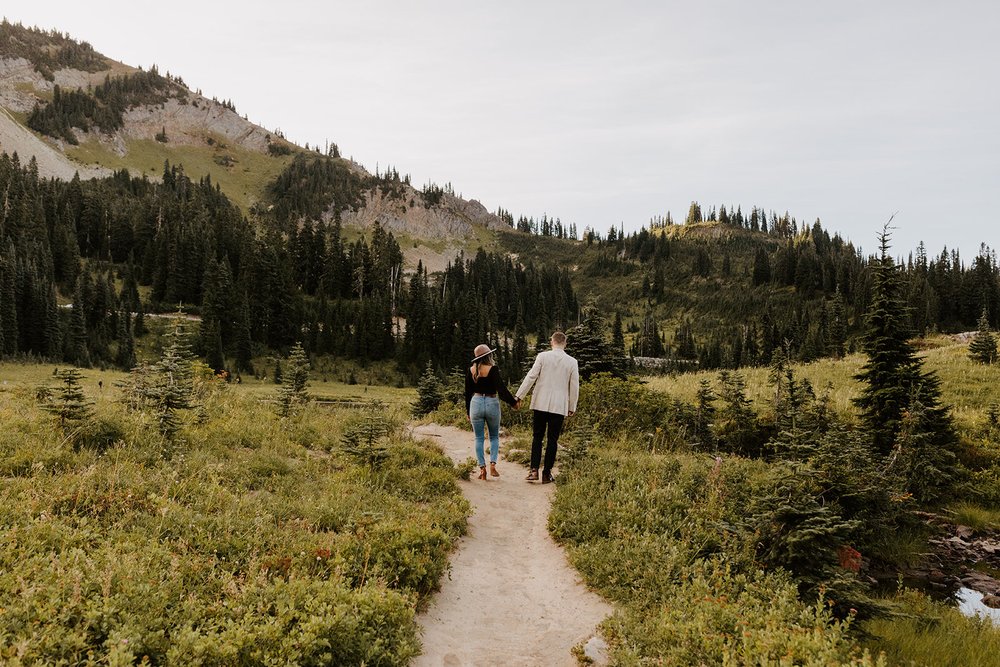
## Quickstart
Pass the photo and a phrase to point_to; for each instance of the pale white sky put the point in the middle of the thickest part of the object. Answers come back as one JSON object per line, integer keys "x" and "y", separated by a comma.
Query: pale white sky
{"x": 603, "y": 113}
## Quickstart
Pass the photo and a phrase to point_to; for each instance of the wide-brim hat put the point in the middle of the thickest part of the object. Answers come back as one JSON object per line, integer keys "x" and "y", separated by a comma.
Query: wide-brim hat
{"x": 483, "y": 355}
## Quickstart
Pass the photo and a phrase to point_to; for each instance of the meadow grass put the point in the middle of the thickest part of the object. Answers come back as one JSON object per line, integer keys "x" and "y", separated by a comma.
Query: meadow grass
{"x": 975, "y": 516}
{"x": 244, "y": 182}
{"x": 968, "y": 387}
{"x": 252, "y": 538}
{"x": 923, "y": 632}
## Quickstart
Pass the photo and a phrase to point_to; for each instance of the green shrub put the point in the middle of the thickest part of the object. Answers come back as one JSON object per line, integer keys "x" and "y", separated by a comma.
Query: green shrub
{"x": 666, "y": 536}
{"x": 244, "y": 547}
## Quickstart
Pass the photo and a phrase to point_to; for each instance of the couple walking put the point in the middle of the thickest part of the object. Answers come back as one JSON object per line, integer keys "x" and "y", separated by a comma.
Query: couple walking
{"x": 556, "y": 379}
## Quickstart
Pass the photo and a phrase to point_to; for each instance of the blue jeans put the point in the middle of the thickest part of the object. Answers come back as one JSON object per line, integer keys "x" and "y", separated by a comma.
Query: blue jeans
{"x": 484, "y": 412}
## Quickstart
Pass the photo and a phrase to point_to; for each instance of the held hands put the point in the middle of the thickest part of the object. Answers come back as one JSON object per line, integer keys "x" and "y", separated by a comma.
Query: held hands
{"x": 570, "y": 413}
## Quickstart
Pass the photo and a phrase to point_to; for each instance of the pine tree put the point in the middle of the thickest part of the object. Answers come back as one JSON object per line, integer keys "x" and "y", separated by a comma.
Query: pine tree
{"x": 430, "y": 393}
{"x": 838, "y": 326}
{"x": 983, "y": 347}
{"x": 68, "y": 402}
{"x": 77, "y": 350}
{"x": 618, "y": 336}
{"x": 586, "y": 342}
{"x": 519, "y": 352}
{"x": 172, "y": 386}
{"x": 761, "y": 268}
{"x": 294, "y": 382}
{"x": 705, "y": 413}
{"x": 8, "y": 303}
{"x": 243, "y": 344}
{"x": 125, "y": 358}
{"x": 893, "y": 375}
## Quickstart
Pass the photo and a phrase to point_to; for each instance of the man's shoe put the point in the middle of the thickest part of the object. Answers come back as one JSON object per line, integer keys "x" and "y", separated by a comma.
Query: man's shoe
{"x": 547, "y": 477}
{"x": 533, "y": 475}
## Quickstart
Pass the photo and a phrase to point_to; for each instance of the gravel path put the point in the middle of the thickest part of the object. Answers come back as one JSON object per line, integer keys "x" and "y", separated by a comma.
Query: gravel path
{"x": 512, "y": 597}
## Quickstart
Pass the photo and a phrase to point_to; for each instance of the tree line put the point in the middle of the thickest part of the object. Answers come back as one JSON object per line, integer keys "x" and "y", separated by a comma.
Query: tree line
{"x": 48, "y": 50}
{"x": 764, "y": 282}
{"x": 77, "y": 255}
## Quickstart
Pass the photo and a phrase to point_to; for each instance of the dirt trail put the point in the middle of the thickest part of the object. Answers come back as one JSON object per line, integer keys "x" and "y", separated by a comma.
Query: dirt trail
{"x": 512, "y": 598}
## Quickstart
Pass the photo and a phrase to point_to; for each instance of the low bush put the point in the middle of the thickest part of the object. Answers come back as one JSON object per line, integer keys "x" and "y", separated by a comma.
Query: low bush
{"x": 247, "y": 545}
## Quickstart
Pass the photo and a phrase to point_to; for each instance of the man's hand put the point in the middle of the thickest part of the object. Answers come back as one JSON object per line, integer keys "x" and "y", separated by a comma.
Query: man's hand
{"x": 570, "y": 413}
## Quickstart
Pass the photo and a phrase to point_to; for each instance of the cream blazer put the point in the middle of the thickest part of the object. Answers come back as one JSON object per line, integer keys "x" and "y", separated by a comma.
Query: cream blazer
{"x": 556, "y": 378}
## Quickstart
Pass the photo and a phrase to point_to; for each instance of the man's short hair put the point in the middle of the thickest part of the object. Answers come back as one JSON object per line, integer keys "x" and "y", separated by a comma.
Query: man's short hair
{"x": 559, "y": 338}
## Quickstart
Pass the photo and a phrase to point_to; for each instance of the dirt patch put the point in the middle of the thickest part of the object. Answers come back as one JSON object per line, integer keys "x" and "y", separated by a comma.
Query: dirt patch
{"x": 15, "y": 138}
{"x": 511, "y": 597}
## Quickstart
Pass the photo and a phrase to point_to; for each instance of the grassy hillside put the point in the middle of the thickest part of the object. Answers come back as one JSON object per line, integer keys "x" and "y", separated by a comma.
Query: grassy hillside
{"x": 242, "y": 174}
{"x": 715, "y": 304}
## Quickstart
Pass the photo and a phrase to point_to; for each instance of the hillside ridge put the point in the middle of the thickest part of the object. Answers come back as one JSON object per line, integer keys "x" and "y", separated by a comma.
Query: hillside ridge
{"x": 207, "y": 137}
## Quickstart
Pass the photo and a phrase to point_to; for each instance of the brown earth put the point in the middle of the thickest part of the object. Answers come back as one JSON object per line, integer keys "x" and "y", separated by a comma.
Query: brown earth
{"x": 511, "y": 597}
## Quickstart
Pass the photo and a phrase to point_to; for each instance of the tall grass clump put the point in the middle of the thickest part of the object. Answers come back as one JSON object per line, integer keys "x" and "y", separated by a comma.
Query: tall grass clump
{"x": 259, "y": 541}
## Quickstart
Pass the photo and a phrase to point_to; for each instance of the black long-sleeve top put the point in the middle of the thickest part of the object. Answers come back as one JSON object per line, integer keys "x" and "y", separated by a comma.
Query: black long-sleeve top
{"x": 490, "y": 383}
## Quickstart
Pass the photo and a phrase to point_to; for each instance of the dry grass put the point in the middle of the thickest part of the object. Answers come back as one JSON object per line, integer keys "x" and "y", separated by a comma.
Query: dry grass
{"x": 968, "y": 387}
{"x": 243, "y": 183}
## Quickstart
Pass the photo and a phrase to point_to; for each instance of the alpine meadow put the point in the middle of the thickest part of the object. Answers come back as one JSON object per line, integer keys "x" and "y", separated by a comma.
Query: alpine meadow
{"x": 220, "y": 353}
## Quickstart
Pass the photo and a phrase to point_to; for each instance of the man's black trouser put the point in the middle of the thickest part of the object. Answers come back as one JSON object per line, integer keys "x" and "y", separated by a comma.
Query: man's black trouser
{"x": 539, "y": 423}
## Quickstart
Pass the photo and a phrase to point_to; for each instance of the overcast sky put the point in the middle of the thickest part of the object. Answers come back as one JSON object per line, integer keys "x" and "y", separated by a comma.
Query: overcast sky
{"x": 604, "y": 113}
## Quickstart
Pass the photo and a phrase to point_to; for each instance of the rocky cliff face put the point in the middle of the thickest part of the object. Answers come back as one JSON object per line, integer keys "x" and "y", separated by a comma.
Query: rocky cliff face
{"x": 452, "y": 218}
{"x": 188, "y": 119}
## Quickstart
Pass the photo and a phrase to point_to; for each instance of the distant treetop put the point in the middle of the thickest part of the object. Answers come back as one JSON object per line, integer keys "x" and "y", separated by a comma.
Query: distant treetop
{"x": 48, "y": 50}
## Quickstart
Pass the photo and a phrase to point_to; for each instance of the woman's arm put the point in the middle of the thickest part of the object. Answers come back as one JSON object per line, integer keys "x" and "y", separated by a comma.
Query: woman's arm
{"x": 502, "y": 390}
{"x": 469, "y": 389}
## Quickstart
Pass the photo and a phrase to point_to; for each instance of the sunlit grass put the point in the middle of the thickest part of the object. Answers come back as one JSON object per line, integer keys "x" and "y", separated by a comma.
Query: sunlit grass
{"x": 968, "y": 387}
{"x": 102, "y": 384}
{"x": 244, "y": 182}
{"x": 931, "y": 633}
{"x": 976, "y": 516}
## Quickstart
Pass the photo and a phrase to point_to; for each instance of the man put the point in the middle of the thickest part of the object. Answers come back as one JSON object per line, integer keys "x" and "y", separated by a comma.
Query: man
{"x": 556, "y": 378}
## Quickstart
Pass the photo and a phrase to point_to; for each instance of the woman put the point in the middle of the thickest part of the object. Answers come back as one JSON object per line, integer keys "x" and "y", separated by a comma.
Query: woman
{"x": 482, "y": 386}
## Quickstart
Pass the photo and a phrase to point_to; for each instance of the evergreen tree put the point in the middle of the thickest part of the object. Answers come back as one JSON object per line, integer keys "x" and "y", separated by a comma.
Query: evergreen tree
{"x": 172, "y": 387}
{"x": 983, "y": 347}
{"x": 77, "y": 342}
{"x": 761, "y": 268}
{"x": 618, "y": 336}
{"x": 594, "y": 354}
{"x": 892, "y": 376}
{"x": 294, "y": 382}
{"x": 429, "y": 392}
{"x": 704, "y": 413}
{"x": 125, "y": 358}
{"x": 242, "y": 342}
{"x": 838, "y": 326}
{"x": 8, "y": 303}
{"x": 68, "y": 402}
{"x": 519, "y": 352}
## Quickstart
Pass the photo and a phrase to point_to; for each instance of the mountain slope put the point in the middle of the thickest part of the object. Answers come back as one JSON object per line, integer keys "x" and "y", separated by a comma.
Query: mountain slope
{"x": 171, "y": 123}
